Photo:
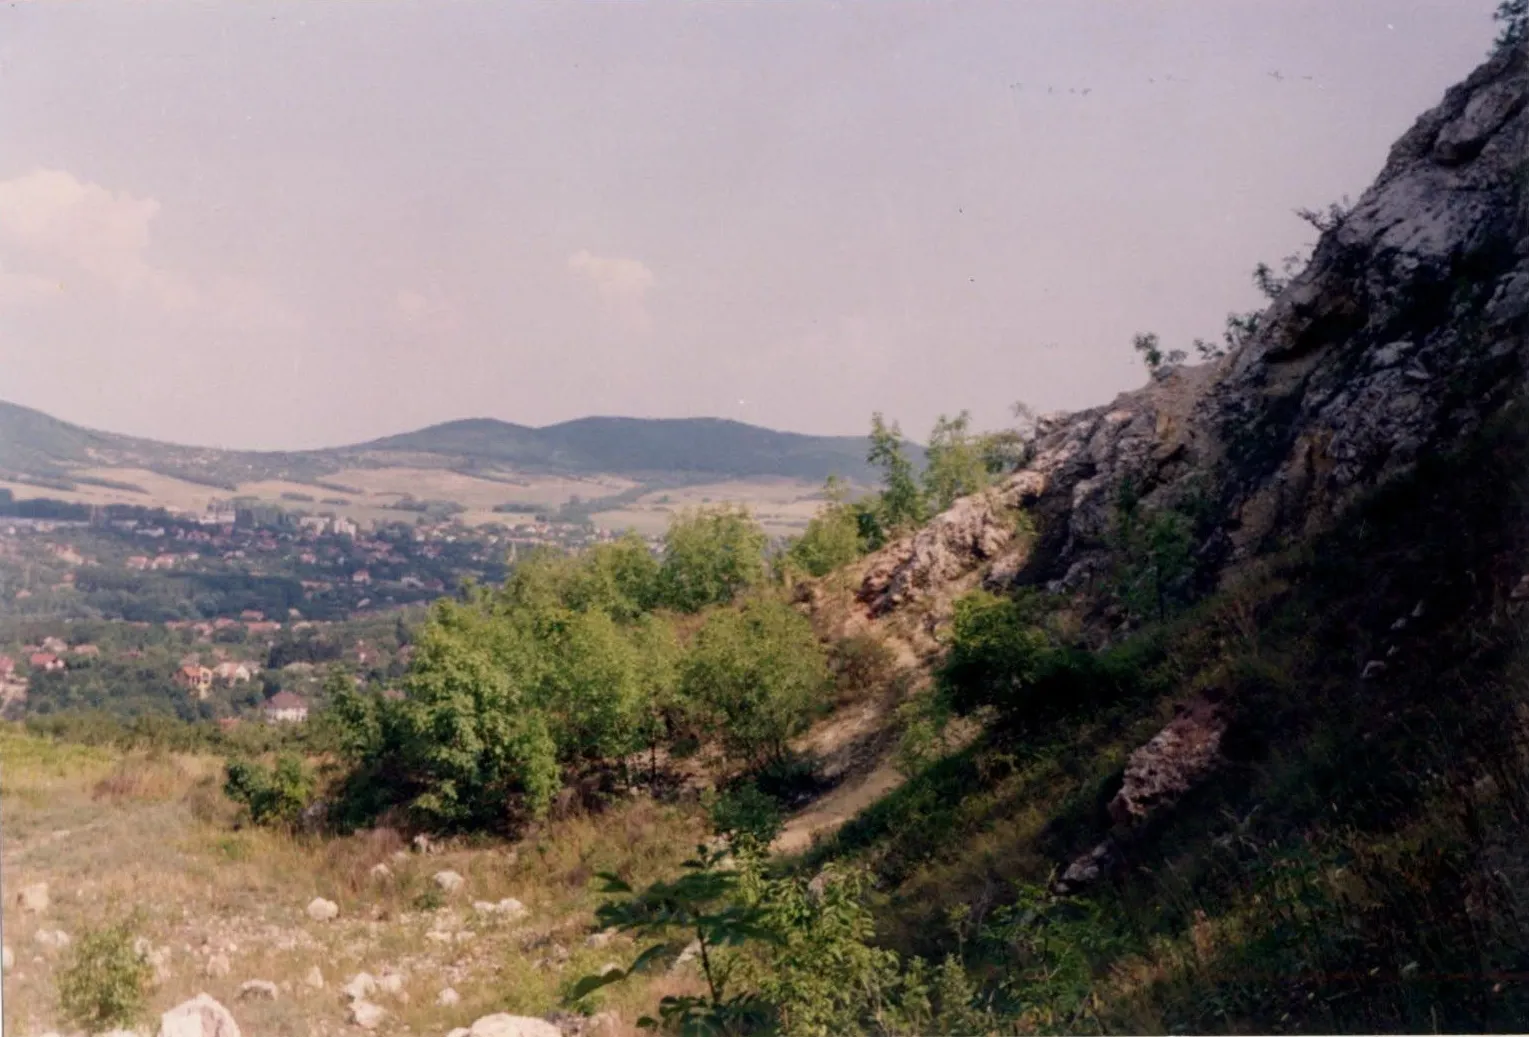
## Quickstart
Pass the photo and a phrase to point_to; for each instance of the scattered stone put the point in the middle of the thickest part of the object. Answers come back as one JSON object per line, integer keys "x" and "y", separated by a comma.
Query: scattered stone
{"x": 513, "y": 1026}
{"x": 423, "y": 844}
{"x": 600, "y": 940}
{"x": 1372, "y": 669}
{"x": 448, "y": 998}
{"x": 7, "y": 959}
{"x": 1087, "y": 869}
{"x": 604, "y": 1024}
{"x": 199, "y": 1017}
{"x": 257, "y": 989}
{"x": 509, "y": 907}
{"x": 321, "y": 910}
{"x": 361, "y": 986}
{"x": 314, "y": 978}
{"x": 1400, "y": 624}
{"x": 1177, "y": 759}
{"x": 436, "y": 936}
{"x": 367, "y": 1015}
{"x": 392, "y": 983}
{"x": 448, "y": 881}
{"x": 53, "y": 939}
{"x": 1521, "y": 590}
{"x": 33, "y": 899}
{"x": 217, "y": 966}
{"x": 381, "y": 872}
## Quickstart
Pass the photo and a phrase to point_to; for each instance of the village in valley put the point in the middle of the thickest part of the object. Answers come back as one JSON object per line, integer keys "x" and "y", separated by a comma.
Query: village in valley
{"x": 234, "y": 615}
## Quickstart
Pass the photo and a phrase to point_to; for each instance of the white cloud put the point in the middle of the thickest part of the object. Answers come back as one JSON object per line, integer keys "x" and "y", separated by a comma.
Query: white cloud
{"x": 63, "y": 237}
{"x": 622, "y": 283}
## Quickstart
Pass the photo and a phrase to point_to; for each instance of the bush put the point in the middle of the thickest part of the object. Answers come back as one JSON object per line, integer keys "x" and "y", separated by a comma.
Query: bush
{"x": 104, "y": 984}
{"x": 709, "y": 557}
{"x": 757, "y": 675}
{"x": 271, "y": 796}
{"x": 996, "y": 652}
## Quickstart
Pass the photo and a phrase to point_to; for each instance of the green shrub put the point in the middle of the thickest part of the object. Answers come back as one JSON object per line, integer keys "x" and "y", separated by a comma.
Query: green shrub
{"x": 104, "y": 983}
{"x": 709, "y": 557}
{"x": 756, "y": 674}
{"x": 271, "y": 796}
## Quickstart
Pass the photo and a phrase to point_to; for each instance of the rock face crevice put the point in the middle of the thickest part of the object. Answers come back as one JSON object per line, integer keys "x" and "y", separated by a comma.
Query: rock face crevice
{"x": 1404, "y": 333}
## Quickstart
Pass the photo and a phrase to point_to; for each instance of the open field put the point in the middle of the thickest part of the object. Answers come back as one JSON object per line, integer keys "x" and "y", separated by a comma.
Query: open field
{"x": 782, "y": 505}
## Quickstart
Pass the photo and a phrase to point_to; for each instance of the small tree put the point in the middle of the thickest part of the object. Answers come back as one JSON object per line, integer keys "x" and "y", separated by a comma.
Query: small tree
{"x": 104, "y": 984}
{"x": 756, "y": 673}
{"x": 710, "y": 556}
{"x": 1150, "y": 349}
{"x": 831, "y": 540}
{"x": 703, "y": 907}
{"x": 956, "y": 462}
{"x": 902, "y": 503}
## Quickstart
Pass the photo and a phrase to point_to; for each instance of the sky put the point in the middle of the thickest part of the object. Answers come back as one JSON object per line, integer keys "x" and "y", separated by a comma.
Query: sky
{"x": 277, "y": 225}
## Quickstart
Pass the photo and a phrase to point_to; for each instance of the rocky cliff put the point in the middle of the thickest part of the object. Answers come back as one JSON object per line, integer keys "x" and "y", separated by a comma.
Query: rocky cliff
{"x": 1405, "y": 332}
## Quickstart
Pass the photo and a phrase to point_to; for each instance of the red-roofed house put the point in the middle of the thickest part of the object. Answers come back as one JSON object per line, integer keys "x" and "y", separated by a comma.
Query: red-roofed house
{"x": 195, "y": 679}
{"x": 45, "y": 661}
{"x": 285, "y": 708}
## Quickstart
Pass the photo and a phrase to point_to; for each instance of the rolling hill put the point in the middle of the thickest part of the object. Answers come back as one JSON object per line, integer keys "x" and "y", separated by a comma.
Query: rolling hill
{"x": 479, "y": 463}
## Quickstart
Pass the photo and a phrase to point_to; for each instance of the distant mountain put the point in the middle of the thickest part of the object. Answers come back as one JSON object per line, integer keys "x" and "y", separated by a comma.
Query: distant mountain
{"x": 641, "y": 447}
{"x": 35, "y": 447}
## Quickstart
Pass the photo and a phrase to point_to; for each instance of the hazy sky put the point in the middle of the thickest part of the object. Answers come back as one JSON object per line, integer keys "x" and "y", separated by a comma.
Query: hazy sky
{"x": 302, "y": 224}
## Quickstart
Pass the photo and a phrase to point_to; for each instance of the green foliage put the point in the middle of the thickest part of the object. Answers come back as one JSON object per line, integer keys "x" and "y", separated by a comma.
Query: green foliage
{"x": 472, "y": 740}
{"x": 832, "y": 539}
{"x": 901, "y": 504}
{"x": 271, "y": 796}
{"x": 746, "y": 817}
{"x": 710, "y": 556}
{"x": 957, "y": 462}
{"x": 822, "y": 975}
{"x": 1150, "y": 349}
{"x": 703, "y": 905}
{"x": 104, "y": 983}
{"x": 1154, "y": 558}
{"x": 755, "y": 675}
{"x": 996, "y": 651}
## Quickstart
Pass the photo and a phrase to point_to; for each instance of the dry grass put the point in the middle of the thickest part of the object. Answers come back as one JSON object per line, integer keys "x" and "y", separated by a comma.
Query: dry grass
{"x": 110, "y": 833}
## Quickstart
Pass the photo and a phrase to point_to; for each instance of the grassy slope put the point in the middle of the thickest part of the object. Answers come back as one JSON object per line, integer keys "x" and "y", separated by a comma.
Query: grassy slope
{"x": 109, "y": 833}
{"x": 1358, "y": 864}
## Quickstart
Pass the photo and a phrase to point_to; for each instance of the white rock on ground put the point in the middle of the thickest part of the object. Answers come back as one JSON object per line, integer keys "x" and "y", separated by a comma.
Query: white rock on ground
{"x": 53, "y": 939}
{"x": 7, "y": 959}
{"x": 367, "y": 1015}
{"x": 381, "y": 872}
{"x": 392, "y": 983}
{"x": 34, "y": 898}
{"x": 509, "y": 907}
{"x": 449, "y": 881}
{"x": 605, "y": 1024}
{"x": 314, "y": 978}
{"x": 321, "y": 910}
{"x": 361, "y": 985}
{"x": 600, "y": 940}
{"x": 257, "y": 989}
{"x": 447, "y": 998}
{"x": 513, "y": 1026}
{"x": 199, "y": 1017}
